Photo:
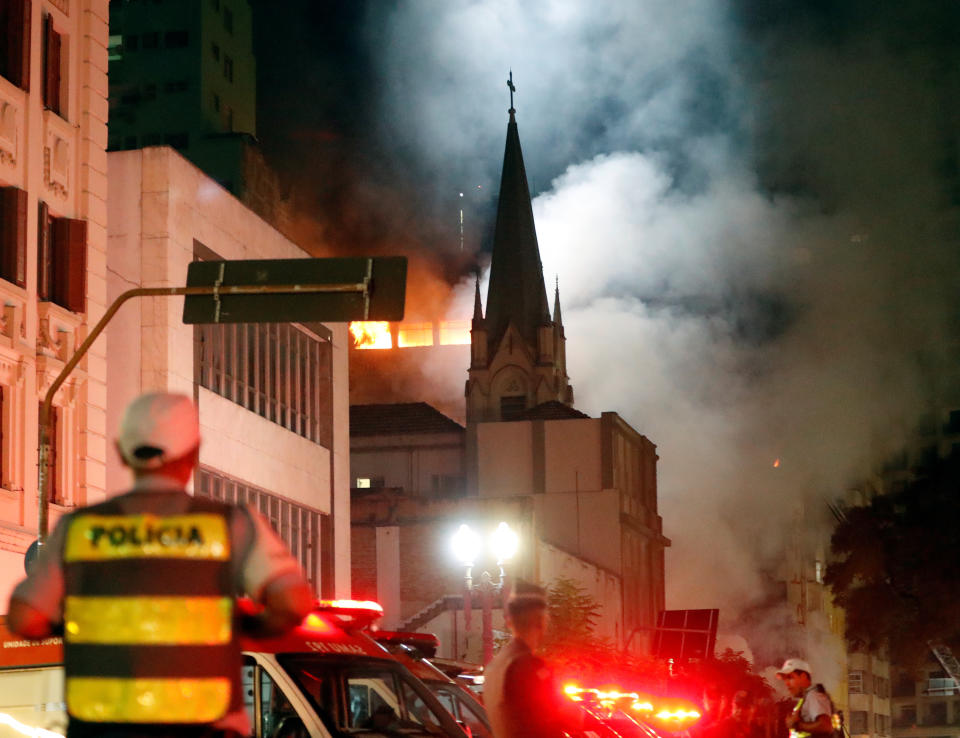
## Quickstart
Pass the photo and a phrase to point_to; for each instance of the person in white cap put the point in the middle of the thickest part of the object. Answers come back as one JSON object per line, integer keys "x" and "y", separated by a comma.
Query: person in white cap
{"x": 813, "y": 713}
{"x": 144, "y": 585}
{"x": 522, "y": 697}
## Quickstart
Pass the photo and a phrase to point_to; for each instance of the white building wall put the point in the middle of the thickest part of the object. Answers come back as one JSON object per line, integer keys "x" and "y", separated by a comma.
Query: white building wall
{"x": 601, "y": 584}
{"x": 573, "y": 455}
{"x": 505, "y": 459}
{"x": 59, "y": 160}
{"x": 160, "y": 205}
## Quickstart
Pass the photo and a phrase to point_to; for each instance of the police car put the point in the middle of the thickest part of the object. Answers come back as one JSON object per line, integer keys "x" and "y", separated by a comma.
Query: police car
{"x": 325, "y": 678}
{"x": 415, "y": 651}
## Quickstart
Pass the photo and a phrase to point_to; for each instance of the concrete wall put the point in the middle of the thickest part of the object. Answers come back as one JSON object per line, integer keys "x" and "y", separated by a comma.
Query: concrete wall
{"x": 59, "y": 160}
{"x": 601, "y": 584}
{"x": 160, "y": 205}
{"x": 407, "y": 462}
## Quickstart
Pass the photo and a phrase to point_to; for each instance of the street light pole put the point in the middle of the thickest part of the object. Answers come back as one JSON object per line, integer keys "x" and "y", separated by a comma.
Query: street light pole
{"x": 486, "y": 595}
{"x": 466, "y": 546}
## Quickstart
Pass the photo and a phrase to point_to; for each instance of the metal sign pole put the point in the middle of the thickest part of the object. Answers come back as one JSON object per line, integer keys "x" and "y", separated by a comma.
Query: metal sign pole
{"x": 43, "y": 523}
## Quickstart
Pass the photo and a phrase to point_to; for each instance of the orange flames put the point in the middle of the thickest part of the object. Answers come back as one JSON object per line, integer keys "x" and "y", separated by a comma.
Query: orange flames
{"x": 371, "y": 334}
{"x": 376, "y": 334}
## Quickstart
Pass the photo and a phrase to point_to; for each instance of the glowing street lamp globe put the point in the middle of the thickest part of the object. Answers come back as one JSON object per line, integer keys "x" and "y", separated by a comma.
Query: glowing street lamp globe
{"x": 466, "y": 545}
{"x": 504, "y": 542}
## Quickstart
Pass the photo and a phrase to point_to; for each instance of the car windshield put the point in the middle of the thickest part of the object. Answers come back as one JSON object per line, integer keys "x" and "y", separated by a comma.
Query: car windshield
{"x": 364, "y": 697}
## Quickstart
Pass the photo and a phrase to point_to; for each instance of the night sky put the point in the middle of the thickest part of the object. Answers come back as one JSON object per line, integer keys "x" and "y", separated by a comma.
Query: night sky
{"x": 751, "y": 207}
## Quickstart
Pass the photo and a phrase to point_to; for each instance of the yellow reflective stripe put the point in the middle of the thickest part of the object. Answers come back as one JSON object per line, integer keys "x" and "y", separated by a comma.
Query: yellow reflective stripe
{"x": 148, "y": 620}
{"x": 105, "y": 537}
{"x": 110, "y": 700}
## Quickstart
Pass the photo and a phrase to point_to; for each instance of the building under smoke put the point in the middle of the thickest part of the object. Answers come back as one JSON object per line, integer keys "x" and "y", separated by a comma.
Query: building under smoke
{"x": 581, "y": 491}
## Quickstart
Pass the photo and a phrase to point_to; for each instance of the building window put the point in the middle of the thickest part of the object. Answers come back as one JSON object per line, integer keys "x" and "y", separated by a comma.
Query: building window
{"x": 882, "y": 724}
{"x": 150, "y": 91}
{"x": 131, "y": 42}
{"x": 228, "y": 67}
{"x": 115, "y": 48}
{"x": 53, "y": 461}
{"x": 215, "y": 50}
{"x": 446, "y": 485}
{"x": 15, "y": 50}
{"x": 363, "y": 483}
{"x": 177, "y": 85}
{"x": 215, "y": 4}
{"x": 858, "y": 722}
{"x": 936, "y": 714}
{"x": 150, "y": 40}
{"x": 907, "y": 716}
{"x": 61, "y": 260}
{"x": 52, "y": 66}
{"x": 881, "y": 687}
{"x": 176, "y": 39}
{"x": 855, "y": 682}
{"x": 13, "y": 235}
{"x": 228, "y": 119}
{"x": 216, "y": 102}
{"x": 277, "y": 370}
{"x": 152, "y": 139}
{"x": 227, "y": 19}
{"x": 512, "y": 406}
{"x": 298, "y": 526}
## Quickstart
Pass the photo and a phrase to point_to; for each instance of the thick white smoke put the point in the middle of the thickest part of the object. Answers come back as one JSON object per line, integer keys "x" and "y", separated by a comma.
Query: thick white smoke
{"x": 732, "y": 326}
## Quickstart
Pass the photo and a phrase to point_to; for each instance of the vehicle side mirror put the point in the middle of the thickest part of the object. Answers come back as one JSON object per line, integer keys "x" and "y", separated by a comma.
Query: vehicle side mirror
{"x": 291, "y": 727}
{"x": 465, "y": 728}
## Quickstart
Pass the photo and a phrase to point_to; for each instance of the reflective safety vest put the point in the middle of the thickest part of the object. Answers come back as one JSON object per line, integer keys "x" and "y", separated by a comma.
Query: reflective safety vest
{"x": 836, "y": 720}
{"x": 148, "y": 615}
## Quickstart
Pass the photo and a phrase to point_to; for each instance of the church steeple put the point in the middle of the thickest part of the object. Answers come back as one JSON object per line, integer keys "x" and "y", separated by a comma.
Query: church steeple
{"x": 518, "y": 354}
{"x": 516, "y": 292}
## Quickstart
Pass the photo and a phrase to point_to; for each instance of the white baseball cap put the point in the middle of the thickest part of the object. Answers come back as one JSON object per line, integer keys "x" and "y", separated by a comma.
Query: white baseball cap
{"x": 158, "y": 427}
{"x": 792, "y": 665}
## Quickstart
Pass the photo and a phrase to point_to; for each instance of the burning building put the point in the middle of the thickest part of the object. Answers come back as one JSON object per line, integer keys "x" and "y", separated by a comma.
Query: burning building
{"x": 580, "y": 491}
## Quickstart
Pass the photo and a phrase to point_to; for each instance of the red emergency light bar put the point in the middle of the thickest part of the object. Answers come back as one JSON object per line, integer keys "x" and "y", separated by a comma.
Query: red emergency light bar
{"x": 426, "y": 643}
{"x": 356, "y": 613}
{"x": 676, "y": 715}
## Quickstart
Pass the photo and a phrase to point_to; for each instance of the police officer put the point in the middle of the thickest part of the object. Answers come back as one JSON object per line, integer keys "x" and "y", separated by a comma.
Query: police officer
{"x": 813, "y": 713}
{"x": 520, "y": 693}
{"x": 144, "y": 584}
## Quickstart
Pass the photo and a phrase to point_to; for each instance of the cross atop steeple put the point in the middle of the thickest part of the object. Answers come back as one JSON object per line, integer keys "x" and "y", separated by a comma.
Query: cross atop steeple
{"x": 512, "y": 90}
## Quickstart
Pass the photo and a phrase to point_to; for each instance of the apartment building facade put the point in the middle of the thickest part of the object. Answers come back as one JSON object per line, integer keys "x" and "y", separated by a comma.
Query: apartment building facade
{"x": 53, "y": 243}
{"x": 273, "y": 398}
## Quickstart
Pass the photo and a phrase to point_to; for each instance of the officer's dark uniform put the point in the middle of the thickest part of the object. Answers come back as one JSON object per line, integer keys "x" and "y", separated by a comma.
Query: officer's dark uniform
{"x": 521, "y": 695}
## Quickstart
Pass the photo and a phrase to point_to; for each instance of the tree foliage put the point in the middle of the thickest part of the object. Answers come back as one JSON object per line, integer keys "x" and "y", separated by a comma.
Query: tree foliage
{"x": 896, "y": 571}
{"x": 575, "y": 649}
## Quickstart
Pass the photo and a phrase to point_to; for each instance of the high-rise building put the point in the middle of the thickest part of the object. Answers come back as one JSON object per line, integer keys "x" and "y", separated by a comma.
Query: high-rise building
{"x": 183, "y": 74}
{"x": 53, "y": 243}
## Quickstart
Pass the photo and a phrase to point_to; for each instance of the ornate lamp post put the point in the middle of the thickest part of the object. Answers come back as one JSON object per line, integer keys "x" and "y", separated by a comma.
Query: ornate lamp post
{"x": 467, "y": 545}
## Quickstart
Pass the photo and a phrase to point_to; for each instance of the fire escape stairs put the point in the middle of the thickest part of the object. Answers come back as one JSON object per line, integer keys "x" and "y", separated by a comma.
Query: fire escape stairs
{"x": 446, "y": 602}
{"x": 947, "y": 660}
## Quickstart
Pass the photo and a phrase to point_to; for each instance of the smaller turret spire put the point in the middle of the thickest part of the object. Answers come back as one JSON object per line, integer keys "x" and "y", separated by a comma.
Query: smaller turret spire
{"x": 556, "y": 303}
{"x": 477, "y": 306}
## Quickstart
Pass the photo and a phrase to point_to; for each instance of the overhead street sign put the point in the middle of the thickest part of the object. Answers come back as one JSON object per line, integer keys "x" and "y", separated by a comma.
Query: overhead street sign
{"x": 297, "y": 290}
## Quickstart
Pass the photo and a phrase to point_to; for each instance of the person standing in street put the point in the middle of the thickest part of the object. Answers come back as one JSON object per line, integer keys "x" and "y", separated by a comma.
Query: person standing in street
{"x": 522, "y": 698}
{"x": 143, "y": 587}
{"x": 813, "y": 714}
